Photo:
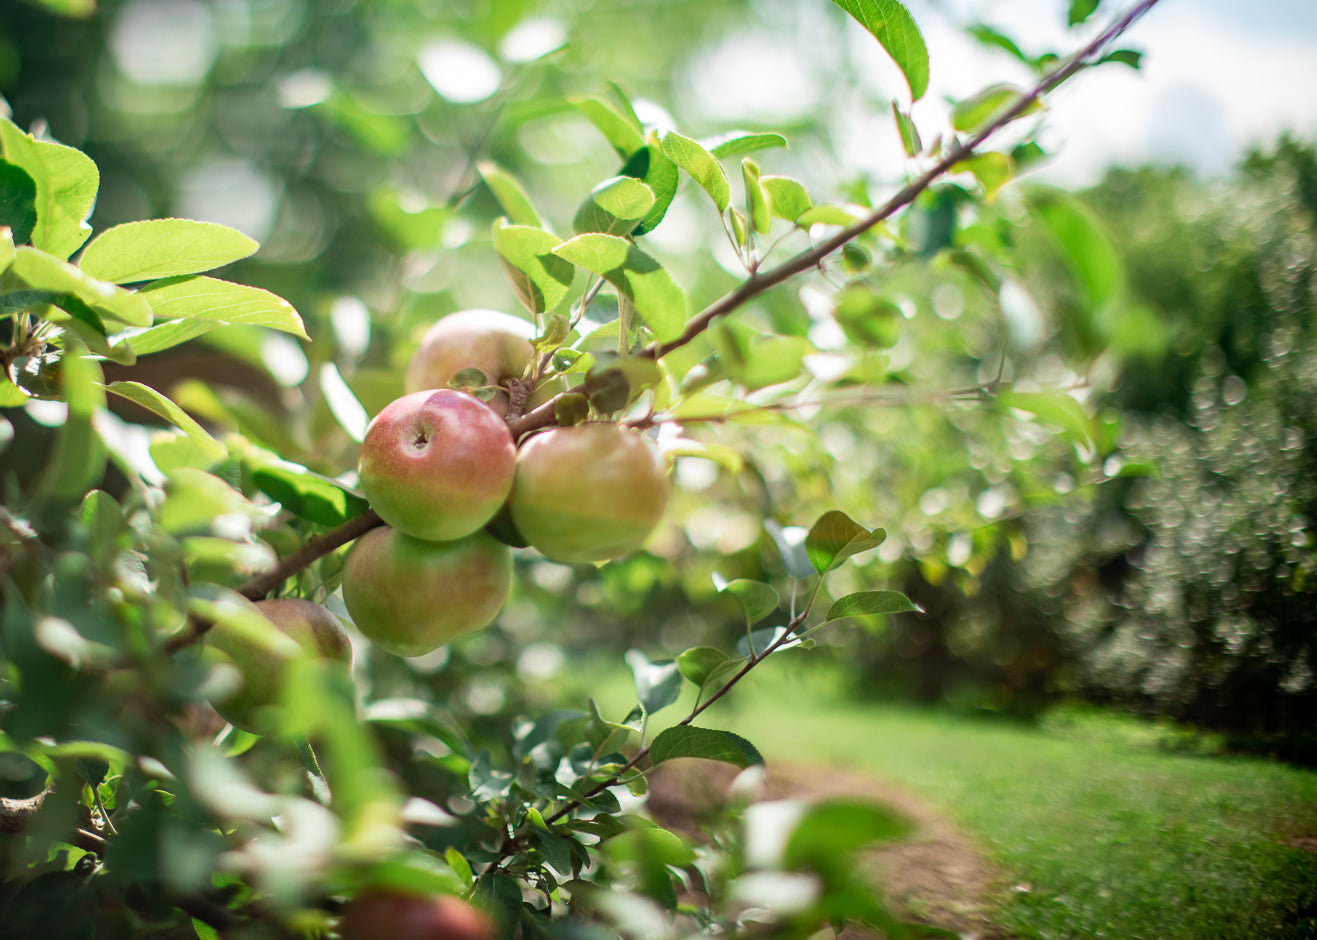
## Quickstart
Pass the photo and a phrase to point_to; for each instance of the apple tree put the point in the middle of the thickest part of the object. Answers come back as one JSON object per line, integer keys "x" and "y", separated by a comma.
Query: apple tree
{"x": 185, "y": 751}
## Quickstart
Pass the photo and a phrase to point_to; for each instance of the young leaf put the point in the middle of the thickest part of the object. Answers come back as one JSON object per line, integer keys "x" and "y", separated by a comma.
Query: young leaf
{"x": 702, "y": 166}
{"x": 615, "y": 207}
{"x": 41, "y": 270}
{"x": 869, "y": 604}
{"x": 143, "y": 251}
{"x": 622, "y": 131}
{"x": 157, "y": 403}
{"x": 510, "y": 195}
{"x": 756, "y": 201}
{"x": 706, "y": 743}
{"x": 739, "y": 143}
{"x": 1055, "y": 408}
{"x": 756, "y": 598}
{"x": 66, "y": 183}
{"x": 657, "y": 684}
{"x": 1081, "y": 10}
{"x": 657, "y": 298}
{"x": 18, "y": 202}
{"x": 982, "y": 109}
{"x": 222, "y": 303}
{"x": 658, "y": 173}
{"x": 993, "y": 170}
{"x": 896, "y": 31}
{"x": 787, "y": 198}
{"x": 993, "y": 38}
{"x": 905, "y": 126}
{"x": 699, "y": 662}
{"x": 1130, "y": 57}
{"x": 836, "y": 537}
{"x": 540, "y": 278}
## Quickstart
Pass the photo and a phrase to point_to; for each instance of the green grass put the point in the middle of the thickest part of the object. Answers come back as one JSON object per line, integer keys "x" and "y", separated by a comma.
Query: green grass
{"x": 1101, "y": 833}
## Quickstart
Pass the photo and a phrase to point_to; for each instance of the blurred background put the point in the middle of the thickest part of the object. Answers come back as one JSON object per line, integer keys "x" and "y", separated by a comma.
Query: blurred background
{"x": 1154, "y": 262}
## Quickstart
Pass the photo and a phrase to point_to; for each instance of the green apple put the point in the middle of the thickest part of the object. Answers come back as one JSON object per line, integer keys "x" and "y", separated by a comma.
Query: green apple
{"x": 409, "y": 596}
{"x": 395, "y": 914}
{"x": 437, "y": 464}
{"x": 493, "y": 343}
{"x": 588, "y": 493}
{"x": 262, "y": 647}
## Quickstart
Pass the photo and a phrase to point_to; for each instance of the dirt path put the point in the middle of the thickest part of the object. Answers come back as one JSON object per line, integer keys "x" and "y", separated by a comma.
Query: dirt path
{"x": 935, "y": 877}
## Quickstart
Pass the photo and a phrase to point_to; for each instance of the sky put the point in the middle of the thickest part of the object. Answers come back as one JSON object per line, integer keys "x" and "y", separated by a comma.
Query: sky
{"x": 1218, "y": 77}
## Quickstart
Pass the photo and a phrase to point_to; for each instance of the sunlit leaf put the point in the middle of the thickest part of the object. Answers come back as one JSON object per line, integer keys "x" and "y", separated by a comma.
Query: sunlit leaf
{"x": 42, "y": 271}
{"x": 787, "y": 198}
{"x": 756, "y": 200}
{"x": 702, "y": 166}
{"x": 1081, "y": 10}
{"x": 510, "y": 195}
{"x": 657, "y": 298}
{"x": 1085, "y": 247}
{"x": 18, "y": 202}
{"x": 658, "y": 173}
{"x": 905, "y": 127}
{"x": 739, "y": 143}
{"x": 66, "y": 183}
{"x": 77, "y": 460}
{"x": 869, "y": 604}
{"x": 159, "y": 404}
{"x": 219, "y": 303}
{"x": 615, "y": 207}
{"x": 657, "y": 684}
{"x": 699, "y": 662}
{"x": 706, "y": 743}
{"x": 836, "y": 537}
{"x": 622, "y": 131}
{"x": 1055, "y": 408}
{"x": 141, "y": 251}
{"x": 993, "y": 170}
{"x": 896, "y": 31}
{"x": 988, "y": 105}
{"x": 540, "y": 277}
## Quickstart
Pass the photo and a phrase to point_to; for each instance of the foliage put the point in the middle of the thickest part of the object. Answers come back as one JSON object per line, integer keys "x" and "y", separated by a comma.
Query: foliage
{"x": 130, "y": 532}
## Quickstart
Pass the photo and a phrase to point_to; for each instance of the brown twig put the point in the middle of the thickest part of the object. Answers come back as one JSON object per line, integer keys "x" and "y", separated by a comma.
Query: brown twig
{"x": 314, "y": 548}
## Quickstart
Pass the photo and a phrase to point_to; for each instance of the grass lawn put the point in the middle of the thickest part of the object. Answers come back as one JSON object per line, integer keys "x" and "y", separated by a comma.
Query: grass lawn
{"x": 1102, "y": 834}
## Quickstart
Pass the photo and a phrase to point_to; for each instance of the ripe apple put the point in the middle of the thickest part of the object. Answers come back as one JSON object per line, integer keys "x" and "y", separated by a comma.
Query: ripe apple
{"x": 437, "y": 464}
{"x": 409, "y": 596}
{"x": 496, "y": 344}
{"x": 588, "y": 493}
{"x": 262, "y": 646}
{"x": 394, "y": 914}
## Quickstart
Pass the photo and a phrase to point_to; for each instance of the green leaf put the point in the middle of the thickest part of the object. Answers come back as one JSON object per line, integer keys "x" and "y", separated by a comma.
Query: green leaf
{"x": 510, "y": 195}
{"x": 615, "y": 207}
{"x": 993, "y": 170}
{"x": 756, "y": 598}
{"x": 157, "y": 403}
{"x": 143, "y": 251}
{"x": 869, "y": 604}
{"x": 739, "y": 143}
{"x": 18, "y": 202}
{"x": 993, "y": 38}
{"x": 756, "y": 200}
{"x": 622, "y": 131}
{"x": 7, "y": 251}
{"x": 706, "y": 743}
{"x": 701, "y": 165}
{"x": 305, "y": 494}
{"x": 66, "y": 182}
{"x": 700, "y": 662}
{"x": 77, "y": 461}
{"x": 982, "y": 109}
{"x": 828, "y": 215}
{"x": 757, "y": 361}
{"x": 658, "y": 173}
{"x": 832, "y": 831}
{"x": 540, "y": 277}
{"x": 1130, "y": 57}
{"x": 1085, "y": 247}
{"x": 643, "y": 280}
{"x": 219, "y": 303}
{"x": 905, "y": 126}
{"x": 658, "y": 685}
{"x": 1081, "y": 10}
{"x": 43, "y": 271}
{"x": 896, "y": 31}
{"x": 787, "y": 198}
{"x": 616, "y": 383}
{"x": 1055, "y": 408}
{"x": 836, "y": 537}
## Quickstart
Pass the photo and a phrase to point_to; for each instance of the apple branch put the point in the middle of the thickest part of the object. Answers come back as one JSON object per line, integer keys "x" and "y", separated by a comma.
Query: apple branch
{"x": 760, "y": 281}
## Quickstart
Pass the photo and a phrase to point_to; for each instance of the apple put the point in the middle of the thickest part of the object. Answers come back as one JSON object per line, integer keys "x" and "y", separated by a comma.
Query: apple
{"x": 588, "y": 493}
{"x": 409, "y": 596}
{"x": 436, "y": 464}
{"x": 394, "y": 914}
{"x": 262, "y": 646}
{"x": 496, "y": 344}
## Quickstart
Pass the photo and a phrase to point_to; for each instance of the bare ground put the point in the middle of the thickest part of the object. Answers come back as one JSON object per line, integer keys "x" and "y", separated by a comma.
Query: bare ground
{"x": 936, "y": 876}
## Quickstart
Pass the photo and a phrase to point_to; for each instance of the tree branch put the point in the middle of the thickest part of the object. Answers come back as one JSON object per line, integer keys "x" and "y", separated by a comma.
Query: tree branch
{"x": 758, "y": 282}
{"x": 324, "y": 543}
